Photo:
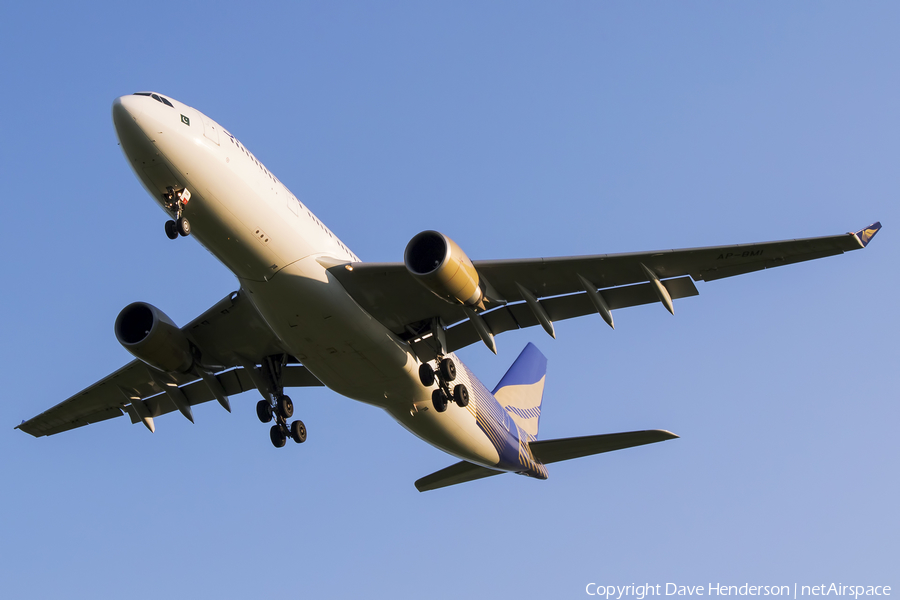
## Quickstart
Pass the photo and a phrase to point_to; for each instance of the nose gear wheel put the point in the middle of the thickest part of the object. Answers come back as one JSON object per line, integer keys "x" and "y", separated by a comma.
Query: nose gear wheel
{"x": 175, "y": 201}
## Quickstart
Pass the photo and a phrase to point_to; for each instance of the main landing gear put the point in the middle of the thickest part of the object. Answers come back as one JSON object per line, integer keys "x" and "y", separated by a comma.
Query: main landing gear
{"x": 445, "y": 375}
{"x": 280, "y": 431}
{"x": 276, "y": 405}
{"x": 175, "y": 201}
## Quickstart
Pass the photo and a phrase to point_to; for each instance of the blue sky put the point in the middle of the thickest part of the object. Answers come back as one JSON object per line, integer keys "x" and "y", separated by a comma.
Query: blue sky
{"x": 519, "y": 129}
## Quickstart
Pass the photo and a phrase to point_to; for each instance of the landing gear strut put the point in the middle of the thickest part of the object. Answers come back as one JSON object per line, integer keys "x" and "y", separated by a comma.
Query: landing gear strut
{"x": 275, "y": 405}
{"x": 445, "y": 374}
{"x": 175, "y": 201}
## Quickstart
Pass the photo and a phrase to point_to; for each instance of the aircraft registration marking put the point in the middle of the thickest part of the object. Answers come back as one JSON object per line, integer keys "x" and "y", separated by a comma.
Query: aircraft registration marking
{"x": 744, "y": 254}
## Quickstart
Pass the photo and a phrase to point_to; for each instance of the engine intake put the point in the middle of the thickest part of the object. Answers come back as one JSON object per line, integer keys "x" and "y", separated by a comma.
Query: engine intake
{"x": 152, "y": 337}
{"x": 439, "y": 264}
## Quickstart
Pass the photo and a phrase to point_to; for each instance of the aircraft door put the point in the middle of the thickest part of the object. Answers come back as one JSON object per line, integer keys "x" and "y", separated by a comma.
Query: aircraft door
{"x": 210, "y": 129}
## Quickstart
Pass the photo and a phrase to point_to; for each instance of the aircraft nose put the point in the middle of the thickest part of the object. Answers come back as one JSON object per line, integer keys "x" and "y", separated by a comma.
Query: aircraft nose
{"x": 126, "y": 114}
{"x": 126, "y": 109}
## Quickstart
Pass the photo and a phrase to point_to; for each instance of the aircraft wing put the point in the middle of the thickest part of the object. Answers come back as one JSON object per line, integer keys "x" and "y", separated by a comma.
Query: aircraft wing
{"x": 390, "y": 294}
{"x": 229, "y": 334}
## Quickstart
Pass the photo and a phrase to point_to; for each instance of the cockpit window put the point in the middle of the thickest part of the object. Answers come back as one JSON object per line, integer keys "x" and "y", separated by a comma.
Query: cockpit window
{"x": 155, "y": 97}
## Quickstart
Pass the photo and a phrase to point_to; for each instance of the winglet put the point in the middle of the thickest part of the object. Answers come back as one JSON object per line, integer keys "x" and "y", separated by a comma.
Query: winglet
{"x": 865, "y": 235}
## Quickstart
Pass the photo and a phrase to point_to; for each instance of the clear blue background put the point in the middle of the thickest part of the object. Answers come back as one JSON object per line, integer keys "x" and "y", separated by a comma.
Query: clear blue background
{"x": 520, "y": 129}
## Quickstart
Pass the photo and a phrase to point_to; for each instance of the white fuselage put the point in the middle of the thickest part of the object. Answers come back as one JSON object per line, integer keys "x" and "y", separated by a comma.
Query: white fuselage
{"x": 279, "y": 252}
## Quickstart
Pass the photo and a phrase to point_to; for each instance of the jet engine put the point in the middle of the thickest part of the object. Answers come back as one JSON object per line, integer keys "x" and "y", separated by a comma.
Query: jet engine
{"x": 151, "y": 336}
{"x": 441, "y": 266}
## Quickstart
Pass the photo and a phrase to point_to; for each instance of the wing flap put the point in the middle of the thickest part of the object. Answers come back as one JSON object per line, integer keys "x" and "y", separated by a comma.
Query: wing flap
{"x": 518, "y": 316}
{"x": 461, "y": 472}
{"x": 551, "y": 451}
{"x": 233, "y": 382}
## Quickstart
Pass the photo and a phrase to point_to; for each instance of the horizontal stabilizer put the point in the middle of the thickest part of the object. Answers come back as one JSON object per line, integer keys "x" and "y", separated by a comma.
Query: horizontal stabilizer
{"x": 461, "y": 472}
{"x": 551, "y": 451}
{"x": 548, "y": 451}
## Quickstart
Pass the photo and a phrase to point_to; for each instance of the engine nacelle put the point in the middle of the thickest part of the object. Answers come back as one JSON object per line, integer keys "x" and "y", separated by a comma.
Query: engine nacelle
{"x": 151, "y": 336}
{"x": 441, "y": 266}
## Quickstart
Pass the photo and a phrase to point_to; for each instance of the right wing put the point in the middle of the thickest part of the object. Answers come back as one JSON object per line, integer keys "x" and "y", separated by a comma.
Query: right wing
{"x": 389, "y": 293}
{"x": 229, "y": 335}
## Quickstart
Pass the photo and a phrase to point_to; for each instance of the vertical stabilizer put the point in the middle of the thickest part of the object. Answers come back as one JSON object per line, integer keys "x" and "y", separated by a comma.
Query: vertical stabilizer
{"x": 522, "y": 388}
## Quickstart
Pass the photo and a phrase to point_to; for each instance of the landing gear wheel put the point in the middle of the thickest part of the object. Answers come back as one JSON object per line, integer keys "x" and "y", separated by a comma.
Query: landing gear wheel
{"x": 461, "y": 395}
{"x": 439, "y": 399}
{"x": 264, "y": 411}
{"x": 426, "y": 375}
{"x": 285, "y": 407}
{"x": 171, "y": 230}
{"x": 298, "y": 432}
{"x": 276, "y": 434}
{"x": 184, "y": 226}
{"x": 448, "y": 370}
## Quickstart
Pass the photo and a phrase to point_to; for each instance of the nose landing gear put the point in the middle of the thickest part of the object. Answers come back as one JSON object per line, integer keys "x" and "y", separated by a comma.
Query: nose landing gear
{"x": 175, "y": 201}
{"x": 445, "y": 374}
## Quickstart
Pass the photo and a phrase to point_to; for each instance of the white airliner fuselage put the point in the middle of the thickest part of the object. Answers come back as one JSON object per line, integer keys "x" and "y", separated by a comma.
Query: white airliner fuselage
{"x": 279, "y": 251}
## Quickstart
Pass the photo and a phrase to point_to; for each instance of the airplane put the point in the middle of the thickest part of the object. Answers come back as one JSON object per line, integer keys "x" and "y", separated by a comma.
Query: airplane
{"x": 309, "y": 312}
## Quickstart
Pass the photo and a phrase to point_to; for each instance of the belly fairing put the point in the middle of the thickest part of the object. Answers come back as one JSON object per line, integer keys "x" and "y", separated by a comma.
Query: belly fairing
{"x": 331, "y": 335}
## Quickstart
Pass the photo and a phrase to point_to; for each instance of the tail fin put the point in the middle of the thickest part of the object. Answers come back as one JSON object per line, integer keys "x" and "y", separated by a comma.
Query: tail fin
{"x": 521, "y": 390}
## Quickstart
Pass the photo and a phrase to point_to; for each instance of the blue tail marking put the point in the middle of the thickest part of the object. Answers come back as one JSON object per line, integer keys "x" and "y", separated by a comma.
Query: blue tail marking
{"x": 521, "y": 391}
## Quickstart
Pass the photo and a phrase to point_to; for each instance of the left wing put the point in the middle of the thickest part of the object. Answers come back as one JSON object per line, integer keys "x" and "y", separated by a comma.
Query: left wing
{"x": 392, "y": 296}
{"x": 229, "y": 335}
